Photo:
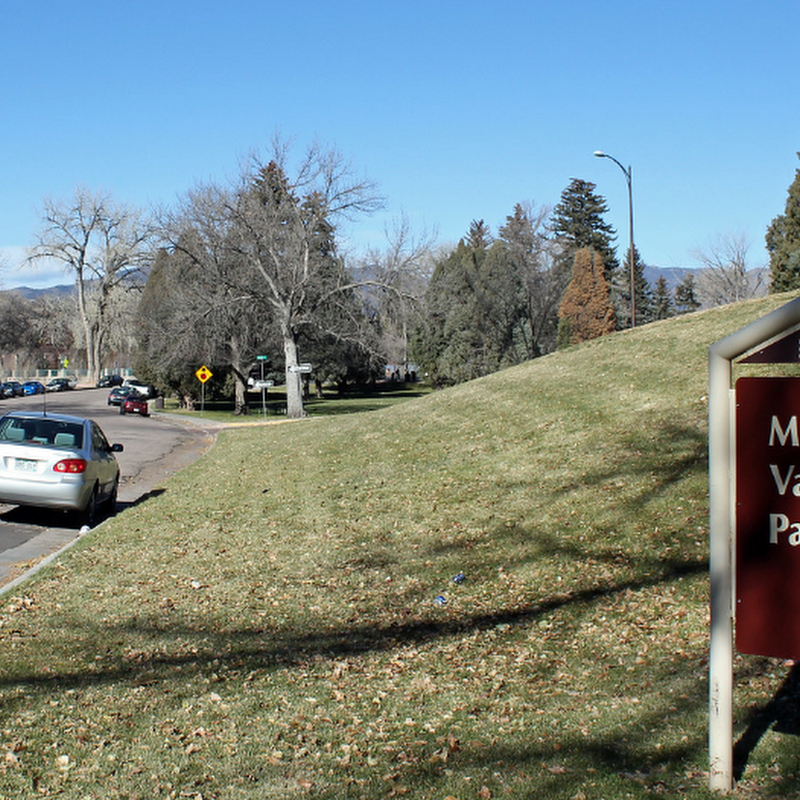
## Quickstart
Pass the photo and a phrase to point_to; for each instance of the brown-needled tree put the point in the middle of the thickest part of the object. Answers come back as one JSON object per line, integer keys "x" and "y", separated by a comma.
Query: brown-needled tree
{"x": 586, "y": 311}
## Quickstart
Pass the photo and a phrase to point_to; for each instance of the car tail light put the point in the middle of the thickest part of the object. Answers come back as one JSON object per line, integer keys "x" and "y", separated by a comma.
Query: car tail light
{"x": 71, "y": 466}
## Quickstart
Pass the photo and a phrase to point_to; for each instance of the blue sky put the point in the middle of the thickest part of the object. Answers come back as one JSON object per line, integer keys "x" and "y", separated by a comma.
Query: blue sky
{"x": 457, "y": 109}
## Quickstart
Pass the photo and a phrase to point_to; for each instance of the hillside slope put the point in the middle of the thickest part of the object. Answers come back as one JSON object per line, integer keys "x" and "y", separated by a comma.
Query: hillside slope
{"x": 268, "y": 626}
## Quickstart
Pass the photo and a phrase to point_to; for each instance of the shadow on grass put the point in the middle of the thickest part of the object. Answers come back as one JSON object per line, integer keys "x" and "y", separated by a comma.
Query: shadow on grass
{"x": 290, "y": 650}
{"x": 122, "y": 506}
{"x": 561, "y": 760}
{"x": 782, "y": 712}
{"x": 665, "y": 453}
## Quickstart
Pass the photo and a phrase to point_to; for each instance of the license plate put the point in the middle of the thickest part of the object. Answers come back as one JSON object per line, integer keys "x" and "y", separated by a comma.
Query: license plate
{"x": 25, "y": 465}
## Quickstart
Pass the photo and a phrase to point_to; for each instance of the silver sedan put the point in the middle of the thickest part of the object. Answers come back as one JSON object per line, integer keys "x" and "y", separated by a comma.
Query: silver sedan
{"x": 57, "y": 461}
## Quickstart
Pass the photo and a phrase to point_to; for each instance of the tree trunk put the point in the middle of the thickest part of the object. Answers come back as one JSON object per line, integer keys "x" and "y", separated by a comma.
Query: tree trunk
{"x": 97, "y": 349}
{"x": 240, "y": 398}
{"x": 294, "y": 388}
{"x": 239, "y": 377}
{"x": 87, "y": 326}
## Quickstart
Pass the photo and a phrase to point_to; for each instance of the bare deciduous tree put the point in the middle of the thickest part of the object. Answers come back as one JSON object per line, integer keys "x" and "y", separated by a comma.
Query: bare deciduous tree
{"x": 105, "y": 245}
{"x": 395, "y": 279}
{"x": 285, "y": 233}
{"x": 198, "y": 302}
{"x": 727, "y": 276}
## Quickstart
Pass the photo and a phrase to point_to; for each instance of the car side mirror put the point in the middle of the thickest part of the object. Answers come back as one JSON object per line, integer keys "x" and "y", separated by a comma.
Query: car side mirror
{"x": 117, "y": 448}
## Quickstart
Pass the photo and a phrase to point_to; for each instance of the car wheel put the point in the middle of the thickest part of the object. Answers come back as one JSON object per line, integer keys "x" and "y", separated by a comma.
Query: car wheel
{"x": 111, "y": 503}
{"x": 88, "y": 516}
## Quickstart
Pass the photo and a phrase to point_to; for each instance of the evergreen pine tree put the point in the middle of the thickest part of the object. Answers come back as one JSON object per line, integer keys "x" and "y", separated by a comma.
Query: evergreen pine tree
{"x": 621, "y": 291}
{"x": 474, "y": 320}
{"x": 686, "y": 296}
{"x": 479, "y": 236}
{"x": 578, "y": 222}
{"x": 783, "y": 242}
{"x": 662, "y": 300}
{"x": 531, "y": 252}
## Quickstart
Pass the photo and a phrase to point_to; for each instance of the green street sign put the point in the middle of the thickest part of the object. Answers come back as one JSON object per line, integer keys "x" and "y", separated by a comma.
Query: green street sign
{"x": 262, "y": 358}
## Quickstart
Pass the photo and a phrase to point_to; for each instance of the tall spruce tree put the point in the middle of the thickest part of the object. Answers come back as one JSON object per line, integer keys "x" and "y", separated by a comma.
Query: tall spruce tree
{"x": 578, "y": 222}
{"x": 783, "y": 242}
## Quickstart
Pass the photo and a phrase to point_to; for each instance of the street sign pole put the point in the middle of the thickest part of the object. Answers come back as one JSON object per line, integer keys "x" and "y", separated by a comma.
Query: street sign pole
{"x": 203, "y": 374}
{"x": 262, "y": 360}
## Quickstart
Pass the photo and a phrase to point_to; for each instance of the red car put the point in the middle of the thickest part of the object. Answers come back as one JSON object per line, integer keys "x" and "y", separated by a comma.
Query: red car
{"x": 134, "y": 404}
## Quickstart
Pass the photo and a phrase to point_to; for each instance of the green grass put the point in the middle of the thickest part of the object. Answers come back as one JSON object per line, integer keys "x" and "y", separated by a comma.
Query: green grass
{"x": 332, "y": 404}
{"x": 266, "y": 626}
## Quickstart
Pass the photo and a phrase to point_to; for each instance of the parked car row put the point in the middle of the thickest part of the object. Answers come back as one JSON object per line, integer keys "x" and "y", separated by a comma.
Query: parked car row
{"x": 130, "y": 395}
{"x": 14, "y": 388}
{"x": 59, "y": 461}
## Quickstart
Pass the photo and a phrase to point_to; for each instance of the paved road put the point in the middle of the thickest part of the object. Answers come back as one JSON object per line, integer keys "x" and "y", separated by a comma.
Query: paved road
{"x": 155, "y": 447}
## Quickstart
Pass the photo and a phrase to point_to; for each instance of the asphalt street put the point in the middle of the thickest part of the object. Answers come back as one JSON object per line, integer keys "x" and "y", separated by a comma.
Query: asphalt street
{"x": 155, "y": 447}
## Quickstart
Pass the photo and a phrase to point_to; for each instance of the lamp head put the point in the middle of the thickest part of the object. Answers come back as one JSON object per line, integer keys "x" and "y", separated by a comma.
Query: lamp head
{"x": 599, "y": 153}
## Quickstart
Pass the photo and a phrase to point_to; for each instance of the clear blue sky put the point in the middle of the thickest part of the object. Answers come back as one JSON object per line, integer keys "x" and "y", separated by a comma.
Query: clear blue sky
{"x": 458, "y": 109}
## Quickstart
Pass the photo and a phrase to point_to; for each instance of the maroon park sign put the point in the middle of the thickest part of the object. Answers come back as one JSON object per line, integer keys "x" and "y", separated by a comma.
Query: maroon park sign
{"x": 767, "y": 571}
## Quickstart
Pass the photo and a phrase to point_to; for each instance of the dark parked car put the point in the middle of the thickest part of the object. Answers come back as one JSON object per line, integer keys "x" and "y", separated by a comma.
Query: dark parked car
{"x": 134, "y": 404}
{"x": 12, "y": 389}
{"x": 32, "y": 387}
{"x": 118, "y": 394}
{"x": 60, "y": 385}
{"x": 107, "y": 381}
{"x": 57, "y": 461}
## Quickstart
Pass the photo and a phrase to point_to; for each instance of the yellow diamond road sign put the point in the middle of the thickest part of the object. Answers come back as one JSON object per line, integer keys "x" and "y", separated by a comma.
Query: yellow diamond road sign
{"x": 203, "y": 374}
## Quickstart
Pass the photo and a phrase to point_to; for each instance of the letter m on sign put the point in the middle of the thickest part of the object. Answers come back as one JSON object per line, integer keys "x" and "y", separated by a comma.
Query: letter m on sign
{"x": 780, "y": 436}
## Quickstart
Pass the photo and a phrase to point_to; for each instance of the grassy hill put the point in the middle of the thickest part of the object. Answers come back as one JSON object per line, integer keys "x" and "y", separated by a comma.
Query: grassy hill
{"x": 267, "y": 626}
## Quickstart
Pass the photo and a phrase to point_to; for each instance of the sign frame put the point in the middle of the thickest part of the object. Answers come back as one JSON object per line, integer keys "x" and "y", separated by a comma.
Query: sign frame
{"x": 721, "y": 355}
{"x": 767, "y": 531}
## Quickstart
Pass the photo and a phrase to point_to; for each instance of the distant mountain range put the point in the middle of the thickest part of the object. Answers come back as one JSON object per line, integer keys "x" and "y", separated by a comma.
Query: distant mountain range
{"x": 672, "y": 275}
{"x": 32, "y": 294}
{"x": 758, "y": 278}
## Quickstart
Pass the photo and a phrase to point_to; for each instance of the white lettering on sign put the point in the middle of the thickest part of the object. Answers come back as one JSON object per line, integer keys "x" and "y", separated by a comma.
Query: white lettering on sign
{"x": 782, "y": 482}
{"x": 780, "y": 523}
{"x": 783, "y": 434}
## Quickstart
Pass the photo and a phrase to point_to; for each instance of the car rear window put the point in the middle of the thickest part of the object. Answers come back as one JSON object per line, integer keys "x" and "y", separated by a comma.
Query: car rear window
{"x": 41, "y": 431}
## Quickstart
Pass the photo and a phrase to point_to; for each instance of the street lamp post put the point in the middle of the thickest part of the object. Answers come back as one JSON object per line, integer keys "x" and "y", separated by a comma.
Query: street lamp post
{"x": 627, "y": 173}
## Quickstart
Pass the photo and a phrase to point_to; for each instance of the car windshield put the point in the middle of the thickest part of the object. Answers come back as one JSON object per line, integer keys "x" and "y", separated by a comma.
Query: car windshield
{"x": 50, "y": 432}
